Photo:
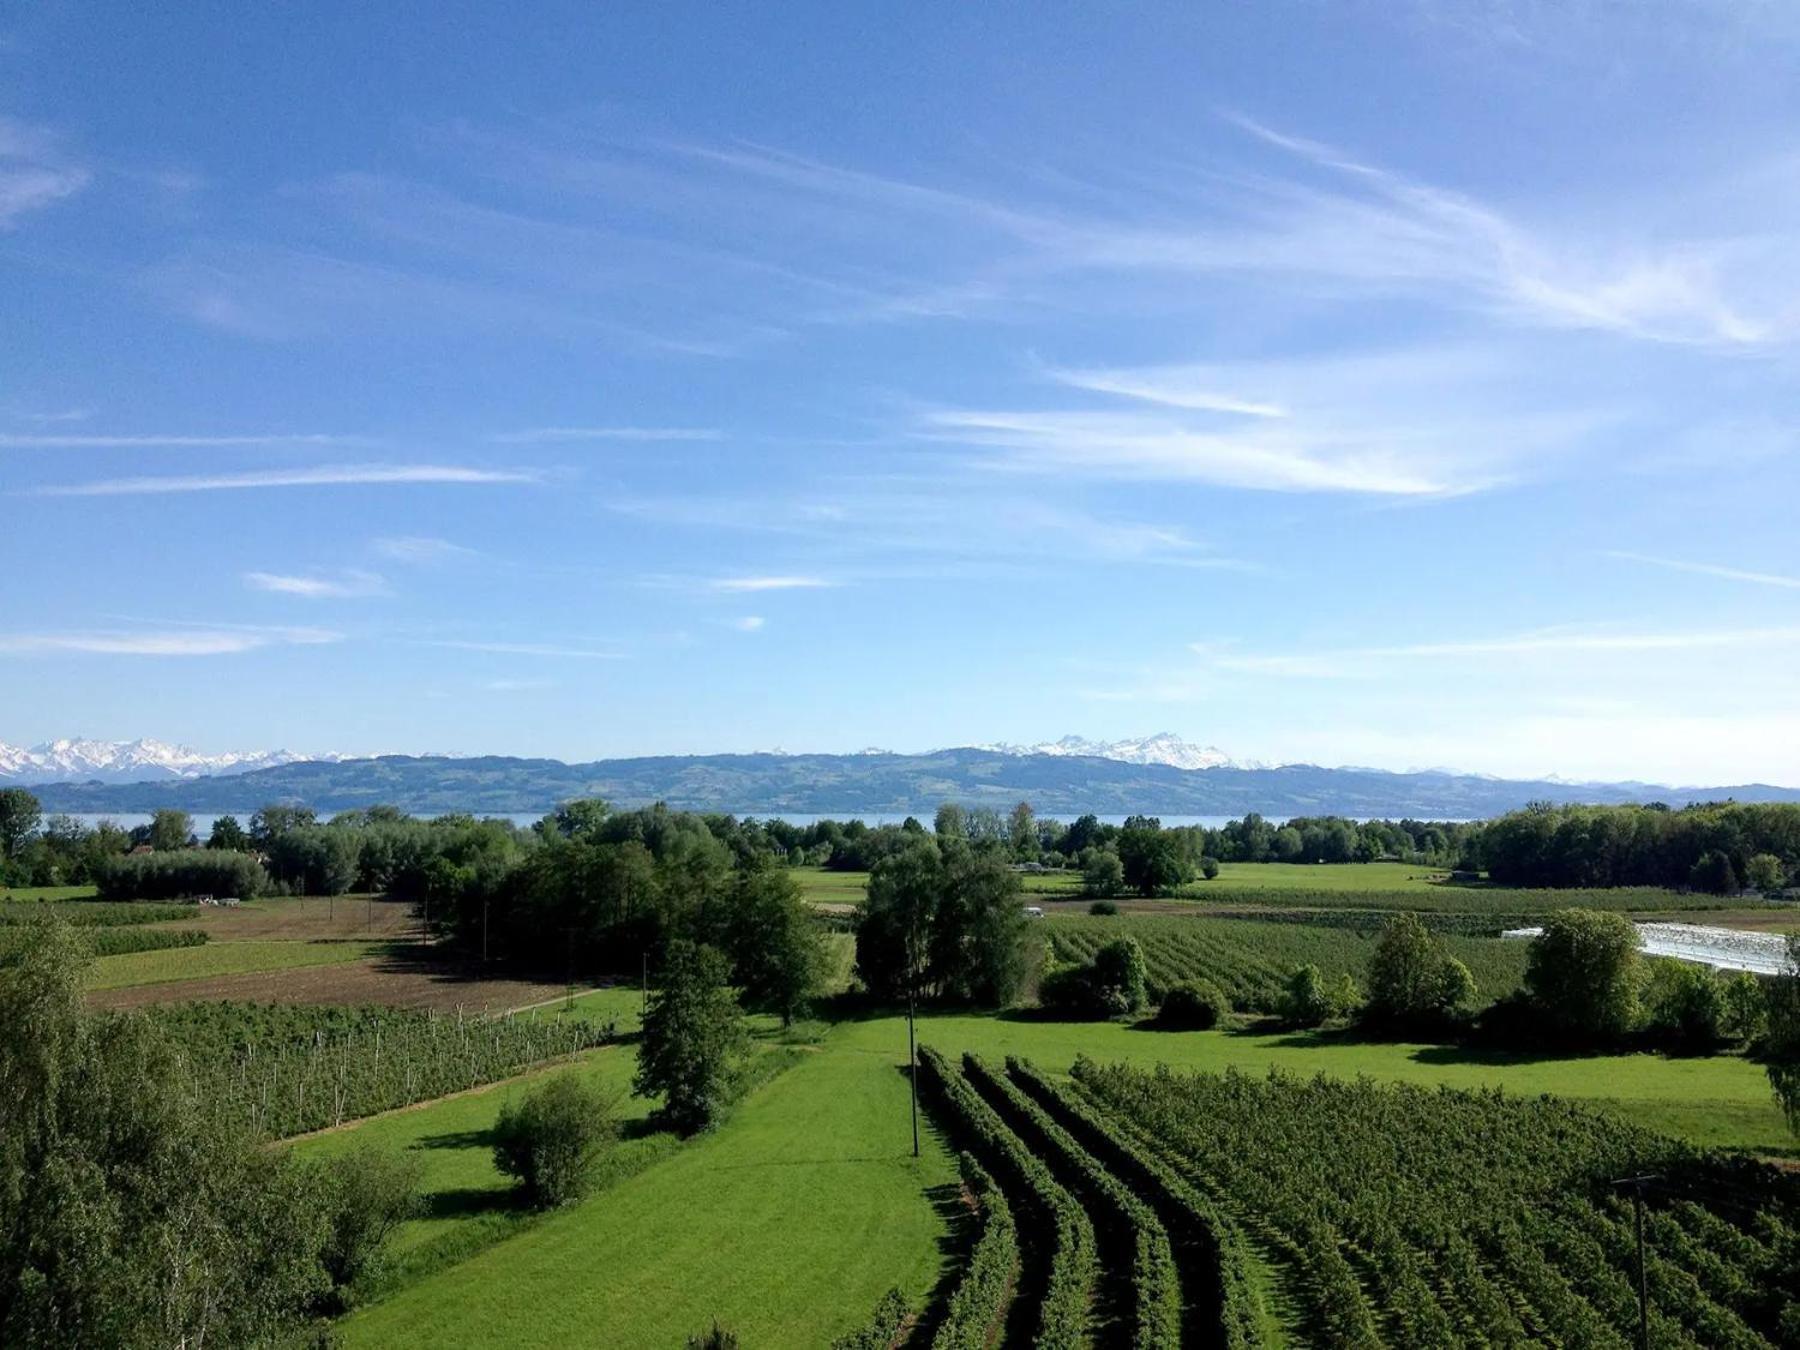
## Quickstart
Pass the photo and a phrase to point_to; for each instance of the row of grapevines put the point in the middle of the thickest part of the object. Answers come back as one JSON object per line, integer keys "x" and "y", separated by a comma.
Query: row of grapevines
{"x": 1472, "y": 1216}
{"x": 1153, "y": 1304}
{"x": 986, "y": 1284}
{"x": 1225, "y": 1306}
{"x": 1071, "y": 1266}
{"x": 884, "y": 1327}
{"x": 253, "y": 1065}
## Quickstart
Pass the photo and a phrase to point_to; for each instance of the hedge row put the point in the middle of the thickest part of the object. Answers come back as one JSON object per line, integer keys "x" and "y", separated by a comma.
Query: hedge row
{"x": 1232, "y": 1306}
{"x": 982, "y": 1293}
{"x": 105, "y": 941}
{"x": 181, "y": 875}
{"x": 1069, "y": 1282}
{"x": 1155, "y": 1287}
{"x": 883, "y": 1327}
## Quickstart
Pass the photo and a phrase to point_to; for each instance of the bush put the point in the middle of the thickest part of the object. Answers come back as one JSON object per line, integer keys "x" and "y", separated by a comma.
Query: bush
{"x": 1209, "y": 868}
{"x": 1103, "y": 908}
{"x": 365, "y": 1193}
{"x": 1120, "y": 975}
{"x": 1101, "y": 872}
{"x": 1197, "y": 1006}
{"x": 1305, "y": 1002}
{"x": 1069, "y": 991}
{"x": 1583, "y": 974}
{"x": 880, "y": 1331}
{"x": 1687, "y": 1006}
{"x": 1764, "y": 872}
{"x": 181, "y": 875}
{"x": 551, "y": 1139}
{"x": 1414, "y": 982}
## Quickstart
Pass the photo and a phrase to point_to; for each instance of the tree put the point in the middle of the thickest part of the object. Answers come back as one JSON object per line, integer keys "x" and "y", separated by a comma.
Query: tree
{"x": 1781, "y": 1043}
{"x": 1102, "y": 873}
{"x": 1305, "y": 1002}
{"x": 228, "y": 836}
{"x": 1746, "y": 1007}
{"x": 1196, "y": 1006}
{"x": 130, "y": 1214}
{"x": 774, "y": 941}
{"x": 275, "y": 820}
{"x": 1209, "y": 868}
{"x": 1021, "y": 833}
{"x": 1413, "y": 979}
{"x": 976, "y": 943}
{"x": 1714, "y": 874}
{"x": 1687, "y": 1005}
{"x": 693, "y": 1038}
{"x": 1151, "y": 858}
{"x": 573, "y": 819}
{"x": 19, "y": 817}
{"x": 551, "y": 1139}
{"x": 1764, "y": 872}
{"x": 951, "y": 822}
{"x": 366, "y": 1192}
{"x": 898, "y": 911}
{"x": 1120, "y": 976}
{"x": 1583, "y": 974}
{"x": 1287, "y": 845}
{"x": 171, "y": 830}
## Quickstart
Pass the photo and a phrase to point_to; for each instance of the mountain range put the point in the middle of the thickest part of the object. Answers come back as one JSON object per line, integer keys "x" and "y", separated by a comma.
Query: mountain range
{"x": 77, "y": 760}
{"x": 1061, "y": 782}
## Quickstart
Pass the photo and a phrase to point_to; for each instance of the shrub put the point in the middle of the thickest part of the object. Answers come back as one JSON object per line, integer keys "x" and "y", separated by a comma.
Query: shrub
{"x": 365, "y": 1193}
{"x": 1764, "y": 872}
{"x": 1746, "y": 1007}
{"x": 1101, "y": 872}
{"x": 551, "y": 1139}
{"x": 880, "y": 1331}
{"x": 1713, "y": 874}
{"x": 1069, "y": 991}
{"x": 1413, "y": 979}
{"x": 1103, "y": 908}
{"x": 1119, "y": 975}
{"x": 1305, "y": 1003}
{"x": 1686, "y": 1005}
{"x": 1209, "y": 868}
{"x": 1196, "y": 1006}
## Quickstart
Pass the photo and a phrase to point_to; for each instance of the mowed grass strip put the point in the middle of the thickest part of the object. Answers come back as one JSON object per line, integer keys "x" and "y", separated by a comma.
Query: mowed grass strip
{"x": 219, "y": 958}
{"x": 786, "y": 1224}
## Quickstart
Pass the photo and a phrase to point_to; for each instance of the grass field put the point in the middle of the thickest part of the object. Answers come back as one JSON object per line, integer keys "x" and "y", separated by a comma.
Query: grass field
{"x": 47, "y": 893}
{"x": 787, "y": 1225}
{"x": 219, "y": 958}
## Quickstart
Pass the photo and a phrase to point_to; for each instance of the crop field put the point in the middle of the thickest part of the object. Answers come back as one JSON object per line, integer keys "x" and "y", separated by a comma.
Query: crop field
{"x": 181, "y": 964}
{"x": 305, "y": 917}
{"x": 24, "y": 894}
{"x": 1251, "y": 960}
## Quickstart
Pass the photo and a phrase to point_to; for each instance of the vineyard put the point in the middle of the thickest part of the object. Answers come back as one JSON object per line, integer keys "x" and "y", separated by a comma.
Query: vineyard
{"x": 121, "y": 940}
{"x": 1251, "y": 959}
{"x": 284, "y": 1071}
{"x": 1501, "y": 904}
{"x": 1393, "y": 1215}
{"x": 90, "y": 913}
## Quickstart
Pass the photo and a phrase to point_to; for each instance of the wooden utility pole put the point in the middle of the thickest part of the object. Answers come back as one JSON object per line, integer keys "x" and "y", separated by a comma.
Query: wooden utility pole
{"x": 1643, "y": 1277}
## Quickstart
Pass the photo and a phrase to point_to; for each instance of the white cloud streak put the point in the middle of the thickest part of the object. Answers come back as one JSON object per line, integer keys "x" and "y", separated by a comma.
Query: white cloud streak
{"x": 743, "y": 585}
{"x": 1775, "y": 579}
{"x": 324, "y": 476}
{"x": 749, "y": 623}
{"x": 34, "y": 171}
{"x": 351, "y": 584}
{"x": 197, "y": 641}
{"x": 152, "y": 442}
{"x": 419, "y": 549}
{"x": 551, "y": 435}
{"x": 529, "y": 649}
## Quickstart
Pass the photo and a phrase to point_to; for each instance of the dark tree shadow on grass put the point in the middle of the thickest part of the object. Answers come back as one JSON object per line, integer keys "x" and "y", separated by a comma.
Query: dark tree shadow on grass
{"x": 457, "y": 1139}
{"x": 466, "y": 1202}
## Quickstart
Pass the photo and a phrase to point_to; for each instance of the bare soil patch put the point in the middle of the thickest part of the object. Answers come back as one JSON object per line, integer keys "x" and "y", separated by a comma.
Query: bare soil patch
{"x": 308, "y": 917}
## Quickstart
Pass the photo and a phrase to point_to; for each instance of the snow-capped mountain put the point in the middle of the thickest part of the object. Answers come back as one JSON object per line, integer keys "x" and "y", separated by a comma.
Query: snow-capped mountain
{"x": 140, "y": 761}
{"x": 1163, "y": 748}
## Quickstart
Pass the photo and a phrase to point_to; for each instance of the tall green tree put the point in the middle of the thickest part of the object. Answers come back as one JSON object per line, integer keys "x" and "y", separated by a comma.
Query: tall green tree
{"x": 895, "y": 922}
{"x": 693, "y": 1039}
{"x": 228, "y": 836}
{"x": 20, "y": 814}
{"x": 1413, "y": 979}
{"x": 1583, "y": 975}
{"x": 777, "y": 948}
{"x": 170, "y": 830}
{"x": 1781, "y": 1042}
{"x": 1152, "y": 859}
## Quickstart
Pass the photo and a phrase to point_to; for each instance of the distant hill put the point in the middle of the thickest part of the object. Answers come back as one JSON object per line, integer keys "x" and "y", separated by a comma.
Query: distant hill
{"x": 868, "y": 783}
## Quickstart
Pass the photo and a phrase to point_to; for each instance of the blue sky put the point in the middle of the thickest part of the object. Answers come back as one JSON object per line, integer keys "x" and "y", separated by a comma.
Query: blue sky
{"x": 1392, "y": 384}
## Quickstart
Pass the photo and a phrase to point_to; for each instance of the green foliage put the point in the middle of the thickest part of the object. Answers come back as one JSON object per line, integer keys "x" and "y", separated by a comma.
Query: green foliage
{"x": 1713, "y": 873}
{"x": 281, "y": 1070}
{"x": 1746, "y": 1007}
{"x": 1707, "y": 846}
{"x": 777, "y": 949}
{"x": 1209, "y": 868}
{"x": 1414, "y": 982}
{"x": 1405, "y": 1215}
{"x": 1101, "y": 872}
{"x": 182, "y": 874}
{"x": 1065, "y": 1232}
{"x": 1686, "y": 1005}
{"x": 1151, "y": 859}
{"x": 364, "y": 1193}
{"x": 1583, "y": 975}
{"x": 551, "y": 1139}
{"x": 944, "y": 921}
{"x": 693, "y": 1038}
{"x": 19, "y": 818}
{"x": 1103, "y": 909}
{"x": 227, "y": 834}
{"x": 972, "y": 1318}
{"x": 1781, "y": 1042}
{"x": 128, "y": 1214}
{"x": 1194, "y": 1005}
{"x": 1252, "y": 958}
{"x": 1306, "y": 1002}
{"x": 883, "y": 1327}
{"x": 170, "y": 830}
{"x": 1764, "y": 872}
{"x": 1120, "y": 976}
{"x": 114, "y": 941}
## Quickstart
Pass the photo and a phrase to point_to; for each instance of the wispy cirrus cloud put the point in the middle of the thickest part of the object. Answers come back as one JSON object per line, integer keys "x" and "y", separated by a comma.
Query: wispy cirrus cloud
{"x": 529, "y": 649}
{"x": 345, "y": 475}
{"x": 348, "y": 584}
{"x": 198, "y": 640}
{"x": 154, "y": 441}
{"x": 419, "y": 549}
{"x": 745, "y": 585}
{"x": 36, "y": 171}
{"x": 749, "y": 623}
{"x": 1776, "y": 579}
{"x": 552, "y": 435}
